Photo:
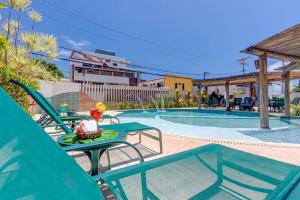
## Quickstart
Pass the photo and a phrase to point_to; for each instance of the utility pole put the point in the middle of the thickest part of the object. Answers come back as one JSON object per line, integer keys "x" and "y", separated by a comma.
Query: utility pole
{"x": 204, "y": 75}
{"x": 243, "y": 63}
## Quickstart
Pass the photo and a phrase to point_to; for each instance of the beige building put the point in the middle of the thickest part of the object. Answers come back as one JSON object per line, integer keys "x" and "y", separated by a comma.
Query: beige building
{"x": 181, "y": 83}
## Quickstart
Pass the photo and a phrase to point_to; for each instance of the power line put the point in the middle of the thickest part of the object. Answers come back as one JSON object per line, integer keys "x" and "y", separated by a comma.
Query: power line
{"x": 64, "y": 11}
{"x": 71, "y": 60}
{"x": 243, "y": 63}
{"x": 92, "y": 34}
{"x": 81, "y": 62}
{"x": 140, "y": 66}
{"x": 204, "y": 75}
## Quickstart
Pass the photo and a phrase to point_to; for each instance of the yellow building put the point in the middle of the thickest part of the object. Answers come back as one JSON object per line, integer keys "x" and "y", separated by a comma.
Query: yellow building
{"x": 178, "y": 82}
{"x": 171, "y": 81}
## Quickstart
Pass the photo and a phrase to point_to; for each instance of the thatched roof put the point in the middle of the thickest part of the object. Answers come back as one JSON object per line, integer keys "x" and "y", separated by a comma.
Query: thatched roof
{"x": 242, "y": 79}
{"x": 284, "y": 45}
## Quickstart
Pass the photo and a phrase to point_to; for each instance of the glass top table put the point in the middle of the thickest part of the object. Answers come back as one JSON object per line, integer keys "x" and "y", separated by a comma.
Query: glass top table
{"x": 94, "y": 154}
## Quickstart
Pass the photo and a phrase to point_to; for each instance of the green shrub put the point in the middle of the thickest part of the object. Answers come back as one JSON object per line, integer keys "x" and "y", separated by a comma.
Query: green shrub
{"x": 122, "y": 105}
{"x": 173, "y": 104}
{"x": 296, "y": 110}
{"x": 183, "y": 104}
{"x": 296, "y": 89}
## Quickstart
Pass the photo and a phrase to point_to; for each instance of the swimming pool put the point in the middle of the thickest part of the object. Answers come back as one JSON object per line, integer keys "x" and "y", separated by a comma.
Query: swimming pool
{"x": 217, "y": 124}
{"x": 208, "y": 118}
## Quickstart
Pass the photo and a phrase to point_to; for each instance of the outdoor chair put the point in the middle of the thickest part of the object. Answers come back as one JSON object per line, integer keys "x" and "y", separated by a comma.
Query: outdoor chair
{"x": 276, "y": 104}
{"x": 131, "y": 128}
{"x": 42, "y": 170}
{"x": 296, "y": 101}
{"x": 237, "y": 102}
{"x": 279, "y": 104}
{"x": 247, "y": 104}
{"x": 69, "y": 117}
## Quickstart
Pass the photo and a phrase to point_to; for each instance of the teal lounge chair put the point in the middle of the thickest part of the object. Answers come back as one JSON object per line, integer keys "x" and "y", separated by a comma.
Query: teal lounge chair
{"x": 42, "y": 170}
{"x": 70, "y": 117}
{"x": 126, "y": 128}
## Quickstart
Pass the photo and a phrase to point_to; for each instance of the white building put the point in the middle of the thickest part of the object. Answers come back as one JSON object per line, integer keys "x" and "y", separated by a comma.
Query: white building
{"x": 102, "y": 67}
{"x": 156, "y": 83}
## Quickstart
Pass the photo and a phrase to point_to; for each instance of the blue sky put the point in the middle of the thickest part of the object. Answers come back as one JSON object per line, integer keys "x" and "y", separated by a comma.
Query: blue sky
{"x": 189, "y": 36}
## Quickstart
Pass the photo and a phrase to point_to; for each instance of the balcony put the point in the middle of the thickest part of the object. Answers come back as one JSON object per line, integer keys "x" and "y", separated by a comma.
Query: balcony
{"x": 96, "y": 78}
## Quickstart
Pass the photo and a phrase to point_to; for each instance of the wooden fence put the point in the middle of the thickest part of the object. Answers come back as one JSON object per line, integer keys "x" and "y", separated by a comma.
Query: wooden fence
{"x": 118, "y": 93}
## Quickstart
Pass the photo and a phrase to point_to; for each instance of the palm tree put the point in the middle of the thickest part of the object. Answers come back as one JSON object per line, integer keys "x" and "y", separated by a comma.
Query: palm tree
{"x": 25, "y": 4}
{"x": 13, "y": 4}
{"x": 35, "y": 16}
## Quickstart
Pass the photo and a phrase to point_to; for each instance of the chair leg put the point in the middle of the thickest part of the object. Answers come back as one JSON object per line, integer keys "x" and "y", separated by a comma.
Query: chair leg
{"x": 160, "y": 141}
{"x": 108, "y": 159}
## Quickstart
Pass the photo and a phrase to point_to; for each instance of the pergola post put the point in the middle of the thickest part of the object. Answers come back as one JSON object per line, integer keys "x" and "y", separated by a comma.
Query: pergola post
{"x": 227, "y": 95}
{"x": 287, "y": 78}
{"x": 263, "y": 83}
{"x": 200, "y": 97}
{"x": 257, "y": 93}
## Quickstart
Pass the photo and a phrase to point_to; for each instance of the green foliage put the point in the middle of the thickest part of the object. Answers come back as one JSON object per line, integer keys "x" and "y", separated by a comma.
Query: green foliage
{"x": 52, "y": 68}
{"x": 296, "y": 89}
{"x": 295, "y": 110}
{"x": 3, "y": 43}
{"x": 16, "y": 61}
{"x": 2, "y": 5}
{"x": 122, "y": 105}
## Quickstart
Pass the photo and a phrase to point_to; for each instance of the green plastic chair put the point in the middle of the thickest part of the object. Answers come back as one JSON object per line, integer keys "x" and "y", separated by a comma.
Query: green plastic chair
{"x": 42, "y": 170}
{"x": 71, "y": 116}
{"x": 31, "y": 164}
{"x": 131, "y": 128}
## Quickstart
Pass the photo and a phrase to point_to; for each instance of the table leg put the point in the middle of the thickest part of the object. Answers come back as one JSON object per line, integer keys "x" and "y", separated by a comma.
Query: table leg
{"x": 94, "y": 156}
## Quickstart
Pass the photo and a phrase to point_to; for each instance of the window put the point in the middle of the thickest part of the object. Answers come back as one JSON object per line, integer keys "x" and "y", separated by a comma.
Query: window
{"x": 183, "y": 86}
{"x": 107, "y": 60}
{"x": 176, "y": 85}
{"x": 80, "y": 70}
{"x": 87, "y": 65}
{"x": 108, "y": 73}
{"x": 118, "y": 74}
{"x": 129, "y": 75}
{"x": 97, "y": 66}
{"x": 115, "y": 64}
{"x": 93, "y": 71}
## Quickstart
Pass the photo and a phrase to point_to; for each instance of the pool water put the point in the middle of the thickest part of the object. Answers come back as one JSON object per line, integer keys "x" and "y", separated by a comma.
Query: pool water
{"x": 208, "y": 118}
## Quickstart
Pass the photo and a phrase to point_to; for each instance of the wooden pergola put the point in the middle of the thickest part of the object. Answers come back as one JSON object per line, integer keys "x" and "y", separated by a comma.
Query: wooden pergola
{"x": 248, "y": 78}
{"x": 283, "y": 46}
{"x": 245, "y": 78}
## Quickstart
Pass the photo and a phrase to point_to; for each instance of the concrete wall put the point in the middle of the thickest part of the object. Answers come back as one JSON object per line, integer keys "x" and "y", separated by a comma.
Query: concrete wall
{"x": 49, "y": 88}
{"x": 61, "y": 92}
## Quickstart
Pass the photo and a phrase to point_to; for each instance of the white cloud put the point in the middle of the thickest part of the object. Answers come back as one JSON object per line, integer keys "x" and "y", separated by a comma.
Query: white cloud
{"x": 65, "y": 53}
{"x": 78, "y": 45}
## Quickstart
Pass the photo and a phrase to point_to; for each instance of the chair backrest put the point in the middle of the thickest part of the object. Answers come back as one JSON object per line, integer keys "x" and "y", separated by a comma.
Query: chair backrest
{"x": 32, "y": 165}
{"x": 237, "y": 101}
{"x": 296, "y": 100}
{"x": 50, "y": 110}
{"x": 248, "y": 100}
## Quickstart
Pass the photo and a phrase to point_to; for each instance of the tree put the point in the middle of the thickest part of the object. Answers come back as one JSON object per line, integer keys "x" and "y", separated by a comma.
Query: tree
{"x": 296, "y": 89}
{"x": 52, "y": 68}
{"x": 16, "y": 47}
{"x": 35, "y": 16}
